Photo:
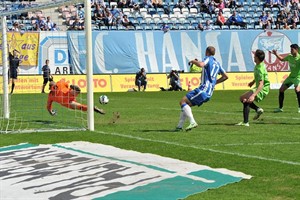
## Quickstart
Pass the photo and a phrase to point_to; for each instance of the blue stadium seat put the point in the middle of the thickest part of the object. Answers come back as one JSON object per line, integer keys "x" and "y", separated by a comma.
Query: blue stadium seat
{"x": 234, "y": 27}
{"x": 121, "y": 28}
{"x": 159, "y": 22}
{"x": 206, "y": 16}
{"x": 139, "y": 28}
{"x": 151, "y": 11}
{"x": 114, "y": 28}
{"x": 135, "y": 22}
{"x": 194, "y": 23}
{"x": 252, "y": 21}
{"x": 181, "y": 27}
{"x": 259, "y": 10}
{"x": 139, "y": 17}
{"x": 148, "y": 28}
{"x": 177, "y": 22}
{"x": 95, "y": 28}
{"x": 174, "y": 27}
{"x": 185, "y": 22}
{"x": 257, "y": 27}
{"x": 191, "y": 27}
{"x": 160, "y": 11}
{"x": 103, "y": 28}
{"x": 198, "y": 16}
{"x": 250, "y": 26}
{"x": 250, "y": 11}
{"x": 217, "y": 27}
{"x": 9, "y": 22}
{"x": 143, "y": 22}
{"x": 254, "y": 4}
{"x": 156, "y": 28}
{"x": 190, "y": 17}
{"x": 29, "y": 28}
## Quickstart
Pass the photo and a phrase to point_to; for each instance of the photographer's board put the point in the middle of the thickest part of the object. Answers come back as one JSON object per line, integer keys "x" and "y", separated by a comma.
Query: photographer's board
{"x": 83, "y": 170}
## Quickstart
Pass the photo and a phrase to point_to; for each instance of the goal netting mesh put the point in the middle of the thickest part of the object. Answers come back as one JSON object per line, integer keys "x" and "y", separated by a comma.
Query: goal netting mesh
{"x": 38, "y": 30}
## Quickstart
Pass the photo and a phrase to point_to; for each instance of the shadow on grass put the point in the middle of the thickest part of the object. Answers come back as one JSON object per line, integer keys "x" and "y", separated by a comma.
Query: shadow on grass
{"x": 159, "y": 130}
{"x": 42, "y": 121}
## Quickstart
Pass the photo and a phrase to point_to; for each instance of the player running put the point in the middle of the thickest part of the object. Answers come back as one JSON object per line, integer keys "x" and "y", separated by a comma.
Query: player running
{"x": 61, "y": 93}
{"x": 211, "y": 69}
{"x": 259, "y": 92}
{"x": 293, "y": 78}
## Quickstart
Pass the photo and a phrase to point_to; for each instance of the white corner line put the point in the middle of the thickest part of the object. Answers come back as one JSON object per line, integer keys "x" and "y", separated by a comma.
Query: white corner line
{"x": 202, "y": 148}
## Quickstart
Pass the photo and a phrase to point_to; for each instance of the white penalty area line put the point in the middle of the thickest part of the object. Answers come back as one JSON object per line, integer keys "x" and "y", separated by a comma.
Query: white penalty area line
{"x": 253, "y": 144}
{"x": 201, "y": 148}
{"x": 240, "y": 114}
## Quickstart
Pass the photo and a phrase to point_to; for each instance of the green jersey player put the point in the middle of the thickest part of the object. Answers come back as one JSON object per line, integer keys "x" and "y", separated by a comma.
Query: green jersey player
{"x": 259, "y": 92}
{"x": 293, "y": 78}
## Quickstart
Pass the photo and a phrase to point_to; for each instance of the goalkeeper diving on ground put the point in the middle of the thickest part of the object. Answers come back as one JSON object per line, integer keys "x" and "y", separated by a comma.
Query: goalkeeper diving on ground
{"x": 65, "y": 95}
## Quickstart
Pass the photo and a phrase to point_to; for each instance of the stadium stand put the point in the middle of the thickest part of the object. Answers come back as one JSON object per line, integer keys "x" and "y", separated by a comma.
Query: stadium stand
{"x": 177, "y": 15}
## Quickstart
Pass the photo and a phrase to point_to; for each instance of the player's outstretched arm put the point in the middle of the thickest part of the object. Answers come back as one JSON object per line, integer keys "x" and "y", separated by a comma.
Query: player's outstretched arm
{"x": 197, "y": 63}
{"x": 277, "y": 55}
{"x": 223, "y": 78}
{"x": 251, "y": 83}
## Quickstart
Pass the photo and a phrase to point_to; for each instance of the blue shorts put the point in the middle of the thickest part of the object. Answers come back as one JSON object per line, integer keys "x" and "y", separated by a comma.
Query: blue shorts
{"x": 197, "y": 97}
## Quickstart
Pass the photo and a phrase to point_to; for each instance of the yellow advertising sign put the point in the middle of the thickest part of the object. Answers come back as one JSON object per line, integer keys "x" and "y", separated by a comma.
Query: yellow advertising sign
{"x": 33, "y": 84}
{"x": 193, "y": 79}
{"x": 123, "y": 83}
{"x": 26, "y": 43}
{"x": 238, "y": 81}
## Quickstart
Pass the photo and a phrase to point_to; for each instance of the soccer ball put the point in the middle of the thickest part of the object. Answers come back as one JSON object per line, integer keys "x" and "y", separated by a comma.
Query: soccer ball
{"x": 103, "y": 99}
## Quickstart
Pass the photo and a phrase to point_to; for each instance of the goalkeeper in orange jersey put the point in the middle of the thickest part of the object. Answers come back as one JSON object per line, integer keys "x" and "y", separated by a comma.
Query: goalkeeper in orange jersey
{"x": 65, "y": 95}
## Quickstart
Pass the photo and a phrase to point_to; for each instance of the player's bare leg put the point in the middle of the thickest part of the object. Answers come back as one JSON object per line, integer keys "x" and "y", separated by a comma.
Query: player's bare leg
{"x": 12, "y": 85}
{"x": 43, "y": 88}
{"x": 79, "y": 106}
{"x": 186, "y": 108}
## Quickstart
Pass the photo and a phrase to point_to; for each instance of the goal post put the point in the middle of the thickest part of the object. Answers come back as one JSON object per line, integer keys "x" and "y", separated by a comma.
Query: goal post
{"x": 18, "y": 110}
{"x": 5, "y": 102}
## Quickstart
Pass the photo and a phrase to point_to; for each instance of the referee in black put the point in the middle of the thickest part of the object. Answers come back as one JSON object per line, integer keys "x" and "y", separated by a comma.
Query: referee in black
{"x": 14, "y": 63}
{"x": 46, "y": 75}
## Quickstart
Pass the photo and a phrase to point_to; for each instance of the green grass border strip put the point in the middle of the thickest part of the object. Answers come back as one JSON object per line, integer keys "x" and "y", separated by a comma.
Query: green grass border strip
{"x": 17, "y": 147}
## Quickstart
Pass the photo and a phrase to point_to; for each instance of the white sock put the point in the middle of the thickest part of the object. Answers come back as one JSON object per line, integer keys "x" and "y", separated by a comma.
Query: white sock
{"x": 181, "y": 119}
{"x": 188, "y": 112}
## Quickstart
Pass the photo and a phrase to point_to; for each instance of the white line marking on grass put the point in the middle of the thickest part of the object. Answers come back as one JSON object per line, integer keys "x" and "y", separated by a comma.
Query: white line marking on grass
{"x": 202, "y": 148}
{"x": 255, "y": 144}
{"x": 234, "y": 113}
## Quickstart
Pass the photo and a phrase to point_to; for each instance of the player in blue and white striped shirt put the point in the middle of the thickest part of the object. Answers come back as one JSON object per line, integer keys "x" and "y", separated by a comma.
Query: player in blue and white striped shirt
{"x": 211, "y": 69}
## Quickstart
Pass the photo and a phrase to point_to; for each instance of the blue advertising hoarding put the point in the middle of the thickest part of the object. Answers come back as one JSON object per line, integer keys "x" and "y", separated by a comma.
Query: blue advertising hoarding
{"x": 158, "y": 52}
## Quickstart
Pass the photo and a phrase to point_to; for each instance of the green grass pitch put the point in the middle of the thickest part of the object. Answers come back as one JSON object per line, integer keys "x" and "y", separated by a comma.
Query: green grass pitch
{"x": 269, "y": 149}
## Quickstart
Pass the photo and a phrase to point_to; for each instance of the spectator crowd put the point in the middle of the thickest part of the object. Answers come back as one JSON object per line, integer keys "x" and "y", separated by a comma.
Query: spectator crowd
{"x": 167, "y": 15}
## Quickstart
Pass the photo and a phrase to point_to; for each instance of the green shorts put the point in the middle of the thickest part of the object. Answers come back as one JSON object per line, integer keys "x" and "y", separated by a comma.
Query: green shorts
{"x": 291, "y": 81}
{"x": 262, "y": 94}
